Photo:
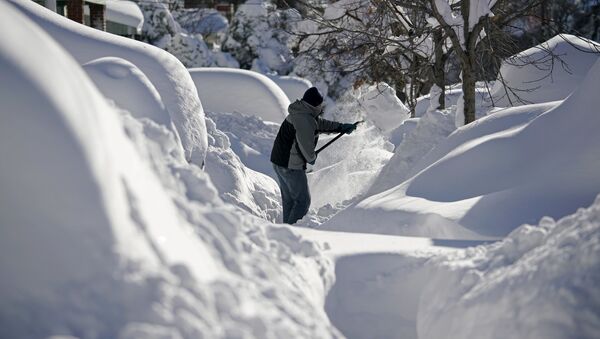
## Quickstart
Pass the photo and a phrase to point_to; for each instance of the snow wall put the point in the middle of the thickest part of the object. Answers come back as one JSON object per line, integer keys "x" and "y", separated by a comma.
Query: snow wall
{"x": 108, "y": 232}
{"x": 170, "y": 77}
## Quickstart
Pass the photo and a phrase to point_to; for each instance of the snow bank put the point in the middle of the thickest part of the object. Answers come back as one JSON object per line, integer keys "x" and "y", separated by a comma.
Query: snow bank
{"x": 252, "y": 191}
{"x": 454, "y": 100}
{"x": 534, "y": 76}
{"x": 539, "y": 282}
{"x": 400, "y": 132}
{"x": 108, "y": 232}
{"x": 78, "y": 206}
{"x": 168, "y": 75}
{"x": 237, "y": 90}
{"x": 428, "y": 143}
{"x": 430, "y": 130}
{"x": 250, "y": 137}
{"x": 496, "y": 182}
{"x": 451, "y": 96}
{"x": 121, "y": 81}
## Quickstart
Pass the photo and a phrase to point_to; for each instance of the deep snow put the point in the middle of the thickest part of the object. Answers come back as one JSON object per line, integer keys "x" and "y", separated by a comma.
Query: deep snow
{"x": 170, "y": 77}
{"x": 493, "y": 179}
{"x": 107, "y": 231}
{"x": 547, "y": 72}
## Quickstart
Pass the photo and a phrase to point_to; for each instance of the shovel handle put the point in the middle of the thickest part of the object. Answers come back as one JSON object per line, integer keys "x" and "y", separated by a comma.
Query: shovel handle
{"x": 336, "y": 137}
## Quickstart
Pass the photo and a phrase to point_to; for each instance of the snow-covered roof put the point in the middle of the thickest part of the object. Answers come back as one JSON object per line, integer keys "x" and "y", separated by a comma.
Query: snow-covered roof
{"x": 123, "y": 12}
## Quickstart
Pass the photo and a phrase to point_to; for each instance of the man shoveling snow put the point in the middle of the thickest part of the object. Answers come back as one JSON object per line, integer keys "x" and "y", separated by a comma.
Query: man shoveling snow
{"x": 294, "y": 147}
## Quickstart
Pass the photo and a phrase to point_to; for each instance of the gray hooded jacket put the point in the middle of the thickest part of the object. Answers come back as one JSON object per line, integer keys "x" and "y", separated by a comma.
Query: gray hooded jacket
{"x": 298, "y": 135}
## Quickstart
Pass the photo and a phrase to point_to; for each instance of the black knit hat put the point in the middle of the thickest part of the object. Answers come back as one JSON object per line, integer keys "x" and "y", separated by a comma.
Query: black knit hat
{"x": 312, "y": 97}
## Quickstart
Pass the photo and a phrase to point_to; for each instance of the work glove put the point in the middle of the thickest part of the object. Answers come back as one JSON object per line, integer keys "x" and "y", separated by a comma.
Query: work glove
{"x": 347, "y": 128}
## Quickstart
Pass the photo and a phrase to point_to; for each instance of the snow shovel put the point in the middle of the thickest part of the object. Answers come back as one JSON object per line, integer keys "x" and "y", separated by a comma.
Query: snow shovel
{"x": 336, "y": 137}
{"x": 310, "y": 170}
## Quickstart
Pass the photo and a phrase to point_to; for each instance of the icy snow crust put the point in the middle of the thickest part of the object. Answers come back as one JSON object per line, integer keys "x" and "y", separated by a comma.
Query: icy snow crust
{"x": 238, "y": 90}
{"x": 169, "y": 76}
{"x": 107, "y": 232}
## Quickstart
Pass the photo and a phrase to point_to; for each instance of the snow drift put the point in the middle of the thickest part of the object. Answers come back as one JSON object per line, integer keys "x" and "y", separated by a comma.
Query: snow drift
{"x": 250, "y": 137}
{"x": 539, "y": 282}
{"x": 495, "y": 182}
{"x": 547, "y": 72}
{"x": 242, "y": 91}
{"x": 252, "y": 191}
{"x": 108, "y": 232}
{"x": 168, "y": 75}
{"x": 78, "y": 205}
{"x": 130, "y": 89}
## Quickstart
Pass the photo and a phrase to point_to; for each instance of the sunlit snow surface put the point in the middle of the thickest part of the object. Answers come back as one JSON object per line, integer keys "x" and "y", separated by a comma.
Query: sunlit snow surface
{"x": 108, "y": 232}
{"x": 106, "y": 229}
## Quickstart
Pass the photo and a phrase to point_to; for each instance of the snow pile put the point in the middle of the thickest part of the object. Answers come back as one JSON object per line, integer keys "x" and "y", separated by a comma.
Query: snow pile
{"x": 171, "y": 79}
{"x": 382, "y": 106}
{"x": 547, "y": 72}
{"x": 539, "y": 282}
{"x": 121, "y": 81}
{"x": 78, "y": 204}
{"x": 495, "y": 182}
{"x": 237, "y": 90}
{"x": 250, "y": 137}
{"x": 430, "y": 130}
{"x": 428, "y": 141}
{"x": 108, "y": 232}
{"x": 238, "y": 185}
{"x": 400, "y": 132}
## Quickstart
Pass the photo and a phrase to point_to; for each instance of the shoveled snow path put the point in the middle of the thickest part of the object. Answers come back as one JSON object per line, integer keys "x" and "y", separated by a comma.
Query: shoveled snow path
{"x": 379, "y": 280}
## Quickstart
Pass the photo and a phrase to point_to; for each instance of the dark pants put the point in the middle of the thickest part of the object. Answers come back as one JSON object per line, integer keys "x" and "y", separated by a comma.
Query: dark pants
{"x": 295, "y": 196}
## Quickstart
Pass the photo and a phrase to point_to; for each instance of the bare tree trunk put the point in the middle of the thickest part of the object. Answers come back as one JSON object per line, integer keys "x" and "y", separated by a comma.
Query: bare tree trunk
{"x": 438, "y": 67}
{"x": 412, "y": 98}
{"x": 468, "y": 87}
